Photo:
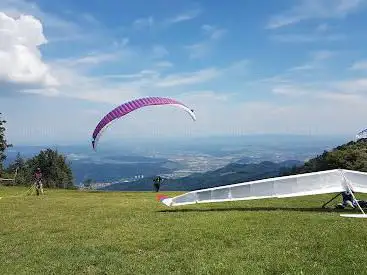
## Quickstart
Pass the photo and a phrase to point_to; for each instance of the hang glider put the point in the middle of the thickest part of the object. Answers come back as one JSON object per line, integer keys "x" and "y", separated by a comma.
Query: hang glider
{"x": 361, "y": 134}
{"x": 331, "y": 181}
{"x": 13, "y": 179}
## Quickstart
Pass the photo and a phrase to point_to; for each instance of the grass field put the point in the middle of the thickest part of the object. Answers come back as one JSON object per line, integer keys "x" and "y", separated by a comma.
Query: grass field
{"x": 75, "y": 232}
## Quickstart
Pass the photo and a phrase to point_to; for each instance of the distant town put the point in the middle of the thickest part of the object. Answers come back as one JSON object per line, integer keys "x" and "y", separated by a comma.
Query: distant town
{"x": 200, "y": 163}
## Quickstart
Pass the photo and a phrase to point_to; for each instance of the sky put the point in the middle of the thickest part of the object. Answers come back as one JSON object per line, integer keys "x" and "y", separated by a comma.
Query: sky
{"x": 245, "y": 67}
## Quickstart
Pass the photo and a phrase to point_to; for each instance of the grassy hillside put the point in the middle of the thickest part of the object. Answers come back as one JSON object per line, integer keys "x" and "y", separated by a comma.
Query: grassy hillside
{"x": 75, "y": 232}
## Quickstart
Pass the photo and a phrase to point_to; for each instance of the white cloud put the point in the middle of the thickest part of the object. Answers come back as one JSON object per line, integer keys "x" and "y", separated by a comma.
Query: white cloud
{"x": 289, "y": 90}
{"x": 315, "y": 9}
{"x": 358, "y": 85}
{"x": 322, "y": 55}
{"x": 90, "y": 59}
{"x": 57, "y": 27}
{"x": 164, "y": 64}
{"x": 185, "y": 16}
{"x": 307, "y": 38}
{"x": 145, "y": 82}
{"x": 194, "y": 96}
{"x": 352, "y": 91}
{"x": 159, "y": 51}
{"x": 102, "y": 94}
{"x": 238, "y": 67}
{"x": 150, "y": 22}
{"x": 198, "y": 50}
{"x": 213, "y": 32}
{"x": 121, "y": 43}
{"x": 345, "y": 98}
{"x": 89, "y": 18}
{"x": 234, "y": 115}
{"x": 62, "y": 26}
{"x": 322, "y": 27}
{"x": 205, "y": 48}
{"x": 317, "y": 60}
{"x": 117, "y": 53}
{"x": 143, "y": 23}
{"x": 305, "y": 67}
{"x": 359, "y": 65}
{"x": 21, "y": 61}
{"x": 49, "y": 92}
{"x": 116, "y": 87}
{"x": 141, "y": 74}
{"x": 95, "y": 89}
{"x": 188, "y": 78}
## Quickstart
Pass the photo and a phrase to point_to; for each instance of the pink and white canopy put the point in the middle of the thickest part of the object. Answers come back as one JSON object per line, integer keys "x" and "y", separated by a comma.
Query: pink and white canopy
{"x": 133, "y": 105}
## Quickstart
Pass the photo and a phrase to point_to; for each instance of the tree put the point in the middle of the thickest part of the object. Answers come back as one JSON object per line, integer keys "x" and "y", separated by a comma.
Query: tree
{"x": 18, "y": 165}
{"x": 55, "y": 169}
{"x": 3, "y": 143}
{"x": 352, "y": 156}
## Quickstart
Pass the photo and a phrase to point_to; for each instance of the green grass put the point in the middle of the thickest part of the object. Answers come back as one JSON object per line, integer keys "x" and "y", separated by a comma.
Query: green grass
{"x": 75, "y": 232}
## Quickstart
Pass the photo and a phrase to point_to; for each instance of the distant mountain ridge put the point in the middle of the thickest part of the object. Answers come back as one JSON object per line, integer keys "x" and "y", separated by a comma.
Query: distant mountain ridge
{"x": 229, "y": 174}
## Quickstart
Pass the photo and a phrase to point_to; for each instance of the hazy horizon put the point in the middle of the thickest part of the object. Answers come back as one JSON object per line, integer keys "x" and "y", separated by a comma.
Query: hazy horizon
{"x": 175, "y": 158}
{"x": 260, "y": 137}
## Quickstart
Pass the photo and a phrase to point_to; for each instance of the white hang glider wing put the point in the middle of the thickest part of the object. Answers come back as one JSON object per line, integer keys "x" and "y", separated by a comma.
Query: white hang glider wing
{"x": 13, "y": 179}
{"x": 324, "y": 182}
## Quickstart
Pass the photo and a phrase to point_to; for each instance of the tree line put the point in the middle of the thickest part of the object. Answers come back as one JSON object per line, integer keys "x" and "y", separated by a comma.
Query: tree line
{"x": 351, "y": 156}
{"x": 54, "y": 166}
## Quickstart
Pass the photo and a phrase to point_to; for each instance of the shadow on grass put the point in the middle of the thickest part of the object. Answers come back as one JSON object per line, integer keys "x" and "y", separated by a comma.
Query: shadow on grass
{"x": 257, "y": 209}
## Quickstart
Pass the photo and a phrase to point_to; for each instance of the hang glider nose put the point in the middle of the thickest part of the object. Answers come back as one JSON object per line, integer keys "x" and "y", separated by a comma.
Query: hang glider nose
{"x": 164, "y": 199}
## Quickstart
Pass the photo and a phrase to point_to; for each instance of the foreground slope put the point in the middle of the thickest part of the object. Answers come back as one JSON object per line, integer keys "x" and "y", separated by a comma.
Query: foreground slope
{"x": 75, "y": 232}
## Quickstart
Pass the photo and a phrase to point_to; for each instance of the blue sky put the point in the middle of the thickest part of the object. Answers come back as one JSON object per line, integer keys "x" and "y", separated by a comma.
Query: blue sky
{"x": 246, "y": 67}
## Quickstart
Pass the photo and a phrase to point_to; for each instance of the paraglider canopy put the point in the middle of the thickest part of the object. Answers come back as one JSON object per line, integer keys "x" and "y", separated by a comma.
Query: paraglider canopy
{"x": 133, "y": 105}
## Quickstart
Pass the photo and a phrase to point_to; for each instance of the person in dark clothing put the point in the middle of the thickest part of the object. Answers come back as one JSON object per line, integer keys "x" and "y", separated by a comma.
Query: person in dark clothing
{"x": 38, "y": 181}
{"x": 157, "y": 183}
{"x": 348, "y": 200}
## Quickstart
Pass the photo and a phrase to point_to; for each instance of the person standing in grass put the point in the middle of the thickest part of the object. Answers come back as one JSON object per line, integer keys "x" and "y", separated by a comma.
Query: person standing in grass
{"x": 38, "y": 182}
{"x": 157, "y": 183}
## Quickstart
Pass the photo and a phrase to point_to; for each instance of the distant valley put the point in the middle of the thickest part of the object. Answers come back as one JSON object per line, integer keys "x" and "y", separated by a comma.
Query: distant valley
{"x": 187, "y": 165}
{"x": 230, "y": 174}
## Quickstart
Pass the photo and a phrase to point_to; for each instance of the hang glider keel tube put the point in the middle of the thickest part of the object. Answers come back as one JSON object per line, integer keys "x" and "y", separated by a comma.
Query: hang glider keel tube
{"x": 325, "y": 182}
